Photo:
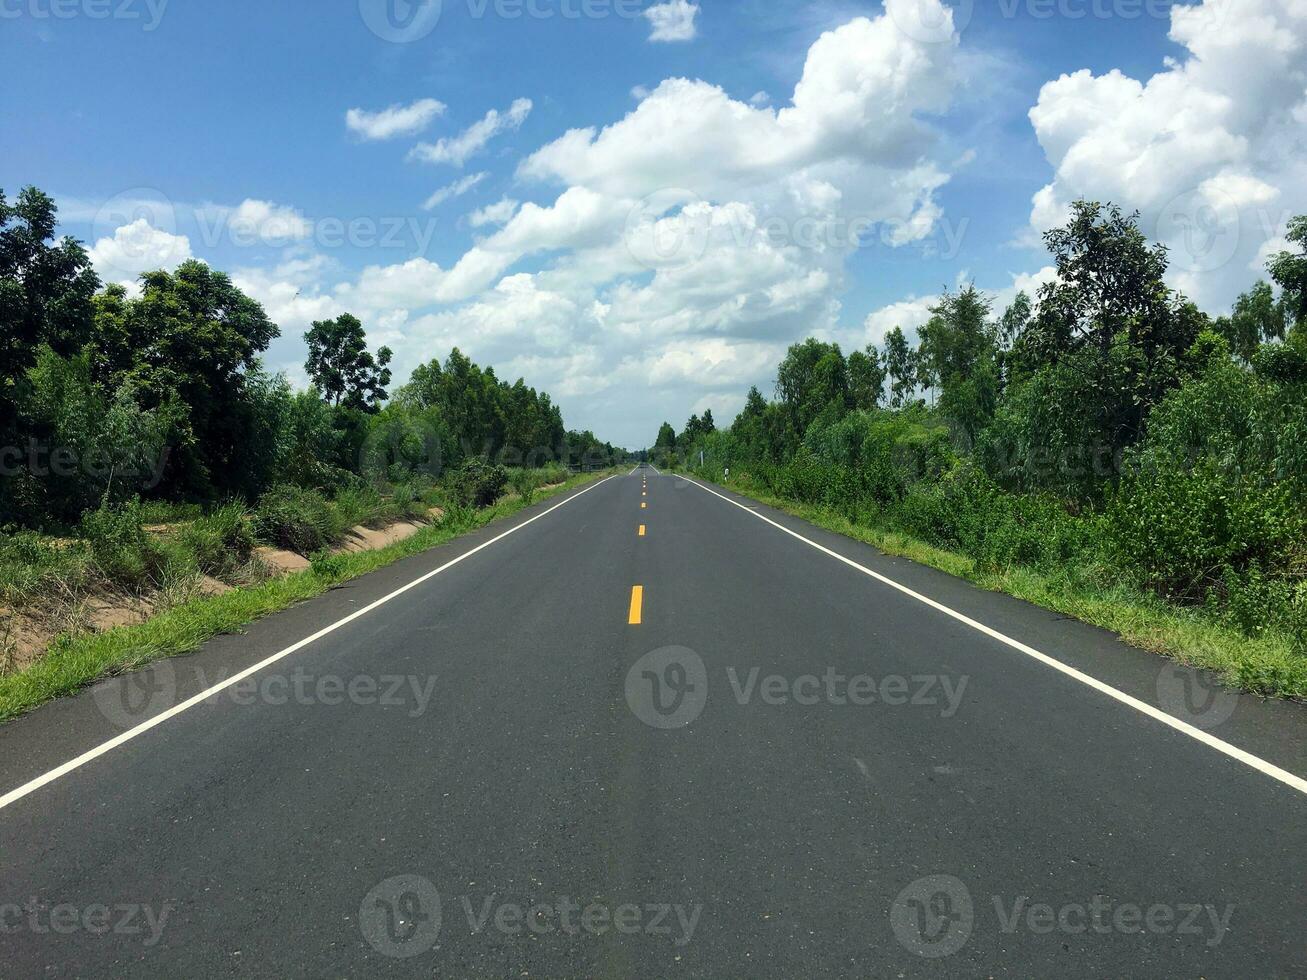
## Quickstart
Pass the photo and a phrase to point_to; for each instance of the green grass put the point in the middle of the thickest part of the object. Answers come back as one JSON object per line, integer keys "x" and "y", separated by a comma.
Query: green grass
{"x": 74, "y": 661}
{"x": 1269, "y": 664}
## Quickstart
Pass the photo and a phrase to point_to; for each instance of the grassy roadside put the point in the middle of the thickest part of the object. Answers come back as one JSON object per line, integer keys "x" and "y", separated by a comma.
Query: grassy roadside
{"x": 1267, "y": 664}
{"x": 72, "y": 662}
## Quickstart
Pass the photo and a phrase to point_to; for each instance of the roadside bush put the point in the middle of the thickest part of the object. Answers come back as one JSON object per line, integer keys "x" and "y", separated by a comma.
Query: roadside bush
{"x": 123, "y": 552}
{"x": 29, "y": 563}
{"x": 1218, "y": 483}
{"x": 478, "y": 483}
{"x": 296, "y": 519}
{"x": 220, "y": 542}
{"x": 524, "y": 484}
{"x": 967, "y": 512}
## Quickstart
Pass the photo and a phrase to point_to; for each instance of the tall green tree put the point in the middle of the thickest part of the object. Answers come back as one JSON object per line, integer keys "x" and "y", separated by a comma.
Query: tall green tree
{"x": 866, "y": 378}
{"x": 811, "y": 379}
{"x": 192, "y": 338}
{"x": 1289, "y": 270}
{"x": 1257, "y": 317}
{"x": 666, "y": 440}
{"x": 959, "y": 347}
{"x": 901, "y": 367}
{"x": 343, "y": 368}
{"x": 1109, "y": 323}
{"x": 46, "y": 289}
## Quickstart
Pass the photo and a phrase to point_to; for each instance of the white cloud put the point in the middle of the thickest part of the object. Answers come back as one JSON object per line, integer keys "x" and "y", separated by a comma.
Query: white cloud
{"x": 688, "y": 243}
{"x": 1209, "y": 150}
{"x": 263, "y": 222}
{"x": 472, "y": 140}
{"x": 672, "y": 21}
{"x": 911, "y": 313}
{"x": 498, "y": 213}
{"x": 456, "y": 189}
{"x": 395, "y": 120}
{"x": 136, "y": 248}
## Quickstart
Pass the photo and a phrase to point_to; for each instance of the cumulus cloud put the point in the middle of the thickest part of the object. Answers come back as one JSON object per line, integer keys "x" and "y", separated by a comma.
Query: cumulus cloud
{"x": 683, "y": 246}
{"x": 672, "y": 21}
{"x": 456, "y": 189}
{"x": 1209, "y": 149}
{"x": 499, "y": 213}
{"x": 256, "y": 222}
{"x": 395, "y": 120}
{"x": 456, "y": 150}
{"x": 135, "y": 248}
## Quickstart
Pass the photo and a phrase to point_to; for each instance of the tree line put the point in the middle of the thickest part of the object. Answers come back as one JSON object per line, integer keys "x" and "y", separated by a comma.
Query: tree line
{"x": 1105, "y": 421}
{"x": 107, "y": 394}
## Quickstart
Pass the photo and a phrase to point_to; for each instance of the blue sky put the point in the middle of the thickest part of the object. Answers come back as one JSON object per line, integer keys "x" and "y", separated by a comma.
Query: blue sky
{"x": 186, "y": 120}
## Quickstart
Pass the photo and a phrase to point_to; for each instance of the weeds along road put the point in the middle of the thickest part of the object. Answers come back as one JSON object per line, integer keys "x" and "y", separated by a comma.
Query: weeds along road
{"x": 656, "y": 730}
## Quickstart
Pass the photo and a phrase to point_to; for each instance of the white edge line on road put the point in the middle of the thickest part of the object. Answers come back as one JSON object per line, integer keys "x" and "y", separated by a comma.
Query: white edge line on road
{"x": 30, "y": 787}
{"x": 1184, "y": 728}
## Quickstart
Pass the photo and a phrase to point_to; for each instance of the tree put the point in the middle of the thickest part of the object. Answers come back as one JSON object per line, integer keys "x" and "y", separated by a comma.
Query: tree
{"x": 341, "y": 366}
{"x": 866, "y": 378}
{"x": 959, "y": 348}
{"x": 812, "y": 378}
{"x": 1256, "y": 319}
{"x": 901, "y": 366}
{"x": 1289, "y": 270}
{"x": 1014, "y": 321}
{"x": 1109, "y": 318}
{"x": 194, "y": 338}
{"x": 709, "y": 426}
{"x": 45, "y": 294}
{"x": 666, "y": 437}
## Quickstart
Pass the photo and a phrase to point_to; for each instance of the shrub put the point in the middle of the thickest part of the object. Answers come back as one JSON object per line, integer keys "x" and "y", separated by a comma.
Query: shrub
{"x": 524, "y": 484}
{"x": 297, "y": 520}
{"x": 123, "y": 552}
{"x": 479, "y": 483}
{"x": 221, "y": 541}
{"x": 1219, "y": 481}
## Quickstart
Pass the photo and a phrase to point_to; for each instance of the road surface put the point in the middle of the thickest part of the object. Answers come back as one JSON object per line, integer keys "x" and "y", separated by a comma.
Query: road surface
{"x": 653, "y": 729}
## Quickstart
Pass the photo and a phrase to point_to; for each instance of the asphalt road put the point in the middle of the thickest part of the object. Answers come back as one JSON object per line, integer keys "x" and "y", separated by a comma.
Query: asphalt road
{"x": 713, "y": 749}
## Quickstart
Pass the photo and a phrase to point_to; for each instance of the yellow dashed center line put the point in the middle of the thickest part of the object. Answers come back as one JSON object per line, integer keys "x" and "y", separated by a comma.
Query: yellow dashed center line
{"x": 643, "y": 505}
{"x": 637, "y": 605}
{"x": 641, "y": 530}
